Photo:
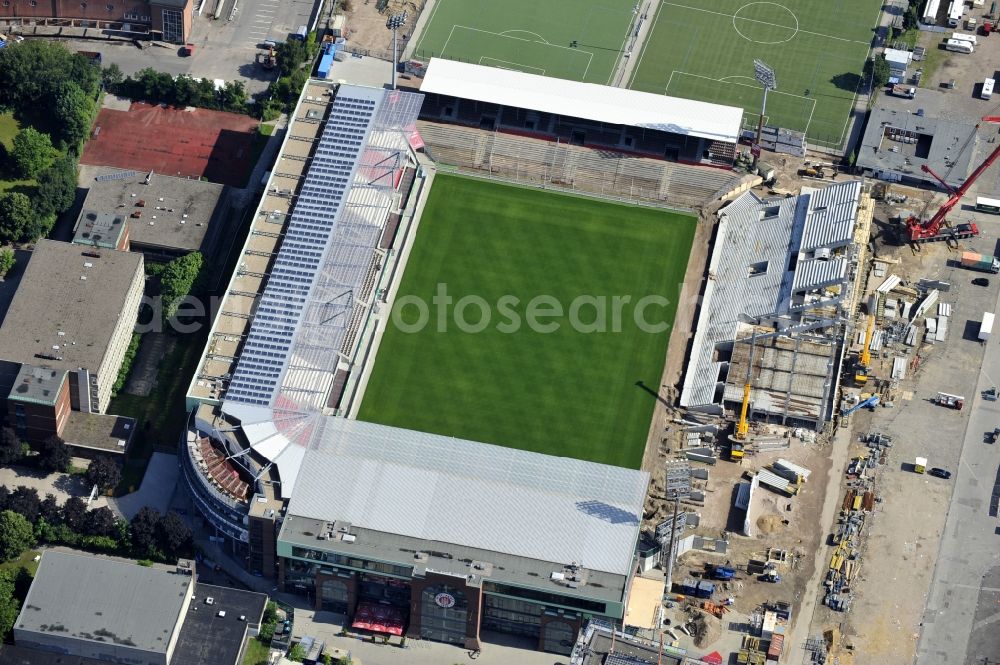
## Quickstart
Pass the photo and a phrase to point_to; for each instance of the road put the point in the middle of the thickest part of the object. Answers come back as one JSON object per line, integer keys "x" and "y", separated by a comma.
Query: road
{"x": 959, "y": 621}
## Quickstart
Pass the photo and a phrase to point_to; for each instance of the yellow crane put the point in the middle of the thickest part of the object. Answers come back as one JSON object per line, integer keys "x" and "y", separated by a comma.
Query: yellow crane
{"x": 865, "y": 357}
{"x": 736, "y": 449}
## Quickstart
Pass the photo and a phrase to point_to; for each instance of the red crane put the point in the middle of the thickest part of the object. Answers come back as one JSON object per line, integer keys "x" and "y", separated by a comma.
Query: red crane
{"x": 931, "y": 230}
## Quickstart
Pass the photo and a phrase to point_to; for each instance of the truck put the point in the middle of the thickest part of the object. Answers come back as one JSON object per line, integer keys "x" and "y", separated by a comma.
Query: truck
{"x": 920, "y": 465}
{"x": 956, "y": 402}
{"x": 905, "y": 91}
{"x": 722, "y": 573}
{"x": 986, "y": 327}
{"x": 981, "y": 262}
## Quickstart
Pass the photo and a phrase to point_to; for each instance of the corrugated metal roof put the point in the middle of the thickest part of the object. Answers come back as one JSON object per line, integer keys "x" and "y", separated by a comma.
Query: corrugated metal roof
{"x": 764, "y": 254}
{"x": 772, "y": 479}
{"x": 439, "y": 488}
{"x": 589, "y": 101}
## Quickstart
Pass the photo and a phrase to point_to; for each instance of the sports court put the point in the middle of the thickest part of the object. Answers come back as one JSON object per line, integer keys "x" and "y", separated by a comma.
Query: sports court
{"x": 565, "y": 391}
{"x": 571, "y": 39}
{"x": 191, "y": 143}
{"x": 818, "y": 49}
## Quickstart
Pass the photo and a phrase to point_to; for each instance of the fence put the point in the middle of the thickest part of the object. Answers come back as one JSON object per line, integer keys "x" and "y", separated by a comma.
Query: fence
{"x": 552, "y": 164}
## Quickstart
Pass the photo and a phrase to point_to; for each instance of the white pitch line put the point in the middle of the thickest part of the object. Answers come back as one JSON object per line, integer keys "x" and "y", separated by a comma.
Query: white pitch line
{"x": 508, "y": 62}
{"x": 430, "y": 21}
{"x": 776, "y": 25}
{"x": 645, "y": 43}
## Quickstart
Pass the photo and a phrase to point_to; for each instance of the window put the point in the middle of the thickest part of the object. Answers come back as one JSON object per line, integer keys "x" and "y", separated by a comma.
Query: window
{"x": 755, "y": 269}
{"x": 110, "y": 7}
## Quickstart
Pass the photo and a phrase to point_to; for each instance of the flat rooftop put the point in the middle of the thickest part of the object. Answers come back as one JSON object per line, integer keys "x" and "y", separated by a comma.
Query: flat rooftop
{"x": 102, "y": 433}
{"x": 67, "y": 305}
{"x": 901, "y": 142}
{"x": 175, "y": 213}
{"x": 94, "y": 598}
{"x": 37, "y": 385}
{"x": 207, "y": 637}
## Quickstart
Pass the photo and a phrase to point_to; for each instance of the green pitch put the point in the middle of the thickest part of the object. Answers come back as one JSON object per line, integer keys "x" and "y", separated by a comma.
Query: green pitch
{"x": 569, "y": 39}
{"x": 569, "y": 393}
{"x": 817, "y": 48}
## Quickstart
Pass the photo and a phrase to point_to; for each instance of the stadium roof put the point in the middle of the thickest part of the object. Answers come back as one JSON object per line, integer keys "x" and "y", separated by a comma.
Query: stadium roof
{"x": 99, "y": 599}
{"x": 588, "y": 101}
{"x": 772, "y": 258}
{"x": 499, "y": 499}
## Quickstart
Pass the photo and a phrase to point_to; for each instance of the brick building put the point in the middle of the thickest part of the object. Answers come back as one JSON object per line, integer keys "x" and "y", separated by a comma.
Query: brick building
{"x": 169, "y": 20}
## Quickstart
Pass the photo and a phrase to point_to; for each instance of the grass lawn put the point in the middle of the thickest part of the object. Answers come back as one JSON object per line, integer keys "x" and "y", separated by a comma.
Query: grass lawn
{"x": 570, "y": 39}
{"x": 568, "y": 393}
{"x": 256, "y": 652}
{"x": 160, "y": 417}
{"x": 817, "y": 49}
{"x": 26, "y": 560}
{"x": 8, "y": 128}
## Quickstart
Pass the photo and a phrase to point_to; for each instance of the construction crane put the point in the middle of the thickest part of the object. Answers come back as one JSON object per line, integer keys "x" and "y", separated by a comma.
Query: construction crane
{"x": 936, "y": 229}
{"x": 736, "y": 443}
{"x": 865, "y": 357}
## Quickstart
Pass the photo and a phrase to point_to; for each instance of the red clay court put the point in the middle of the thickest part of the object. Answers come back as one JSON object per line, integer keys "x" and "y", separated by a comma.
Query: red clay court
{"x": 172, "y": 141}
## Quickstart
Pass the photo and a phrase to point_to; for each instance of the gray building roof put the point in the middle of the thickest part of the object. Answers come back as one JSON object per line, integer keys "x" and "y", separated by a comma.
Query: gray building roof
{"x": 208, "y": 639}
{"x": 176, "y": 214}
{"x": 897, "y": 143}
{"x": 102, "y": 600}
{"x": 70, "y": 297}
{"x": 503, "y": 500}
{"x": 773, "y": 259}
{"x": 37, "y": 385}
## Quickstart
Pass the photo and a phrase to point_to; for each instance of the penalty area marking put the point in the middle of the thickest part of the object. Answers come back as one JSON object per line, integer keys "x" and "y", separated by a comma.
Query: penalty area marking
{"x": 515, "y": 66}
{"x": 590, "y": 55}
{"x": 755, "y": 85}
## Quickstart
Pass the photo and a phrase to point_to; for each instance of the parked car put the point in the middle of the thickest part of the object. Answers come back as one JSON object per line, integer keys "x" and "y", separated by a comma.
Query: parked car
{"x": 940, "y": 473}
{"x": 981, "y": 281}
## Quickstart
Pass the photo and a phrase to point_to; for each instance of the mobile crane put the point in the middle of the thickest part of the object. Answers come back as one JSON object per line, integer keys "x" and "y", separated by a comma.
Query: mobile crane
{"x": 739, "y": 438}
{"x": 865, "y": 357}
{"x": 936, "y": 228}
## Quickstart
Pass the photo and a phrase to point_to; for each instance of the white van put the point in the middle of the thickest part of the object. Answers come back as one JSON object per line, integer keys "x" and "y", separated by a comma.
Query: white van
{"x": 987, "y": 90}
{"x": 955, "y": 11}
{"x": 958, "y": 46}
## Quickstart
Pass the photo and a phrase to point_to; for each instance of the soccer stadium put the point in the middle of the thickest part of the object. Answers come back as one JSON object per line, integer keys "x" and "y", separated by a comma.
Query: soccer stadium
{"x": 446, "y": 465}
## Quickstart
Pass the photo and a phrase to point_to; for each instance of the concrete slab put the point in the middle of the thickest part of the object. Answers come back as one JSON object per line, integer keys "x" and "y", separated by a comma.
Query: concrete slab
{"x": 156, "y": 490}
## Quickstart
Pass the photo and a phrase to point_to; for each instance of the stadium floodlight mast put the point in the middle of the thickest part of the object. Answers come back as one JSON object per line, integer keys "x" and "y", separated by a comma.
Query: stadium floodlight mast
{"x": 765, "y": 76}
{"x": 395, "y": 22}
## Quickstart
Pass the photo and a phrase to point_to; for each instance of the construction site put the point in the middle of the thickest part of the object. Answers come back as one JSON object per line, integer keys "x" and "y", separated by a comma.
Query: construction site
{"x": 808, "y": 468}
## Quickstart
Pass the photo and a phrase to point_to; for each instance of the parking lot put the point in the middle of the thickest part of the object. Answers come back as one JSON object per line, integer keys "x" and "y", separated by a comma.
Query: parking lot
{"x": 223, "y": 48}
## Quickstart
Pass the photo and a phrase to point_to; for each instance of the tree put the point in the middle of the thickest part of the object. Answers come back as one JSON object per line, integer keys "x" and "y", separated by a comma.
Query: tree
{"x": 11, "y": 450}
{"x": 53, "y": 454}
{"x": 4, "y": 497}
{"x": 112, "y": 77}
{"x": 143, "y": 531}
{"x": 15, "y": 216}
{"x": 291, "y": 55}
{"x": 31, "y": 152}
{"x": 49, "y": 509}
{"x": 877, "y": 71}
{"x": 7, "y": 261}
{"x": 10, "y": 606}
{"x": 24, "y": 501}
{"x": 233, "y": 97}
{"x": 73, "y": 113}
{"x": 16, "y": 535}
{"x": 104, "y": 472}
{"x": 173, "y": 534}
{"x": 74, "y": 513}
{"x": 178, "y": 278}
{"x": 101, "y": 522}
{"x": 297, "y": 653}
{"x": 56, "y": 187}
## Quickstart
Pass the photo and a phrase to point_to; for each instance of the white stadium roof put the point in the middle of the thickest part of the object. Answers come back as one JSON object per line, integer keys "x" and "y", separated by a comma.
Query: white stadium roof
{"x": 474, "y": 494}
{"x": 588, "y": 101}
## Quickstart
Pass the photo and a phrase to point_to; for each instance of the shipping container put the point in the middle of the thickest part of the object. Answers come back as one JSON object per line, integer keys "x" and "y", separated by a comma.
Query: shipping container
{"x": 984, "y": 204}
{"x": 986, "y": 327}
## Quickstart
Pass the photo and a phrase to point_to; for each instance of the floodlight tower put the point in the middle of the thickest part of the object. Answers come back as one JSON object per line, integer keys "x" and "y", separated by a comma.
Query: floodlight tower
{"x": 765, "y": 76}
{"x": 395, "y": 22}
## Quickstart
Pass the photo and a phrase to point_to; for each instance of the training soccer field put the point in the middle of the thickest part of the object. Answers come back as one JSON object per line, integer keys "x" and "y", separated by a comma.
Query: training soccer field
{"x": 587, "y": 395}
{"x": 817, "y": 49}
{"x": 569, "y": 39}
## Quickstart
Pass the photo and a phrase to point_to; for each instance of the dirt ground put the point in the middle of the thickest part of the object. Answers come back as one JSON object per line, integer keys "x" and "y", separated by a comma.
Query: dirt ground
{"x": 366, "y": 26}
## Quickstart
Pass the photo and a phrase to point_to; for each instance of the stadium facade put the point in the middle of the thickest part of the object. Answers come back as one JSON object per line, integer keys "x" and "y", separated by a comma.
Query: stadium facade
{"x": 406, "y": 533}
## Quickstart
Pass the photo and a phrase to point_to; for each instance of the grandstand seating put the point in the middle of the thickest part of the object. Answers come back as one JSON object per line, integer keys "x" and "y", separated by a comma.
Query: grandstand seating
{"x": 220, "y": 470}
{"x": 609, "y": 173}
{"x": 360, "y": 310}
